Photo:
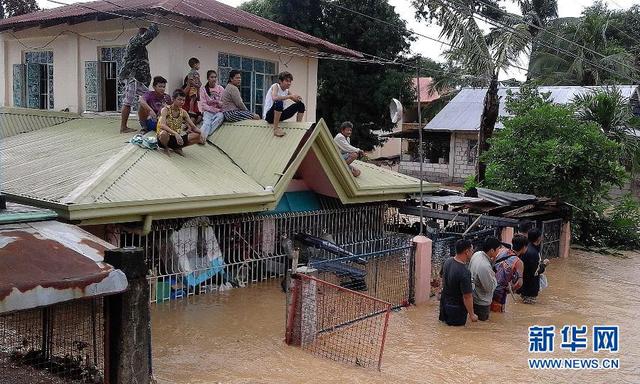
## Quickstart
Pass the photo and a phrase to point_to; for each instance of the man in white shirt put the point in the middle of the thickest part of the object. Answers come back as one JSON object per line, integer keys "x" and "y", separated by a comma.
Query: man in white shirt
{"x": 349, "y": 152}
{"x": 274, "y": 111}
{"x": 483, "y": 277}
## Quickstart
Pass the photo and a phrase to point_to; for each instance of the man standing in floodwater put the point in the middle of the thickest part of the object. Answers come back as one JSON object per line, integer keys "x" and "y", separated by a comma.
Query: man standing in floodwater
{"x": 483, "y": 277}
{"x": 533, "y": 268}
{"x": 456, "y": 299}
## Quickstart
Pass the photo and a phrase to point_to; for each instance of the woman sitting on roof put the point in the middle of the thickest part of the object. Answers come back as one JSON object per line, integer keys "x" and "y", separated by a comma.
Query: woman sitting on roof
{"x": 232, "y": 105}
{"x": 171, "y": 130}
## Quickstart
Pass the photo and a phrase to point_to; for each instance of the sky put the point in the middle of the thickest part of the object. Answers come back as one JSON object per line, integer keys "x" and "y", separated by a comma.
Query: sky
{"x": 428, "y": 48}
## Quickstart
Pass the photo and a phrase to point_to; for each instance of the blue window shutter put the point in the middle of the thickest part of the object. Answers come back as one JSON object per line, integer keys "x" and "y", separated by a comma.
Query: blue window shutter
{"x": 33, "y": 85}
{"x": 19, "y": 80}
{"x": 92, "y": 85}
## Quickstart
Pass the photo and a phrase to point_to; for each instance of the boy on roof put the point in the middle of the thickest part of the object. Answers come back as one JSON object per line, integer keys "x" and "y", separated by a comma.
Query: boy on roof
{"x": 274, "y": 110}
{"x": 152, "y": 103}
{"x": 175, "y": 129}
{"x": 348, "y": 152}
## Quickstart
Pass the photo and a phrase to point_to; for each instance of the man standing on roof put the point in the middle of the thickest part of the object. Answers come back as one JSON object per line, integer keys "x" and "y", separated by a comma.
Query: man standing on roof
{"x": 136, "y": 72}
{"x": 348, "y": 152}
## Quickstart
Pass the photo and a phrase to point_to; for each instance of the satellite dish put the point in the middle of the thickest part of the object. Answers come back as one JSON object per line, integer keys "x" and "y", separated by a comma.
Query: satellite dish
{"x": 395, "y": 110}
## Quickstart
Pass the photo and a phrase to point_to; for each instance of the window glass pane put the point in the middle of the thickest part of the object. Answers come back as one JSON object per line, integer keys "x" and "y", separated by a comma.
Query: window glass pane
{"x": 259, "y": 96}
{"x": 234, "y": 62}
{"x": 269, "y": 67}
{"x": 258, "y": 66}
{"x": 105, "y": 54}
{"x": 247, "y": 64}
{"x": 223, "y": 60}
{"x": 259, "y": 81}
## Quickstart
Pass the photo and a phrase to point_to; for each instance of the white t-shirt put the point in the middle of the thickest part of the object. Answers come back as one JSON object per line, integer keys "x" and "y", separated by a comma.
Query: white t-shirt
{"x": 268, "y": 99}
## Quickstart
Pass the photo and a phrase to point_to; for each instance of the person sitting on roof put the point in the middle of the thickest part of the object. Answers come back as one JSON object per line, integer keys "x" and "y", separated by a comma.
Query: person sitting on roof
{"x": 135, "y": 71}
{"x": 152, "y": 103}
{"x": 171, "y": 126}
{"x": 348, "y": 152}
{"x": 232, "y": 105}
{"x": 274, "y": 110}
{"x": 209, "y": 104}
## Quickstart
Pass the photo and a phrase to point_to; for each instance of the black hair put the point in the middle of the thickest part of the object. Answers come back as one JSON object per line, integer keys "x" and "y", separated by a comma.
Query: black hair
{"x": 206, "y": 84}
{"x": 518, "y": 242}
{"x": 534, "y": 234}
{"x": 491, "y": 243}
{"x": 178, "y": 93}
{"x": 462, "y": 245}
{"x": 158, "y": 80}
{"x": 233, "y": 74}
{"x": 525, "y": 226}
{"x": 346, "y": 124}
{"x": 285, "y": 76}
{"x": 193, "y": 61}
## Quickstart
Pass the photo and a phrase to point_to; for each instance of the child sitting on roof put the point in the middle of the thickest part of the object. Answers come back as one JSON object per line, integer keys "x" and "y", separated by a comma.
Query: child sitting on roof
{"x": 274, "y": 110}
{"x": 348, "y": 152}
{"x": 171, "y": 130}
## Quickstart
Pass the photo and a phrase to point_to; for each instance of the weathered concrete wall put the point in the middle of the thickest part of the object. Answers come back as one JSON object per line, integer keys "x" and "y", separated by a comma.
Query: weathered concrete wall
{"x": 129, "y": 321}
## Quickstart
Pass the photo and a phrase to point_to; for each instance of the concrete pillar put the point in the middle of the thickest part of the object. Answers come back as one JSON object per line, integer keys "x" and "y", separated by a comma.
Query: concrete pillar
{"x": 128, "y": 321}
{"x": 452, "y": 156}
{"x": 506, "y": 235}
{"x": 422, "y": 271}
{"x": 565, "y": 239}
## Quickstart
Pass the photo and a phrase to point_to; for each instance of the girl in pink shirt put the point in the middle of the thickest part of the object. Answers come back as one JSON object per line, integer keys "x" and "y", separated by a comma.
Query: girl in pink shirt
{"x": 209, "y": 104}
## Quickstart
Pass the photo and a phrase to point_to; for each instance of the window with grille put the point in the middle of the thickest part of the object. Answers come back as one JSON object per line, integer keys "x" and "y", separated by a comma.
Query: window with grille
{"x": 257, "y": 77}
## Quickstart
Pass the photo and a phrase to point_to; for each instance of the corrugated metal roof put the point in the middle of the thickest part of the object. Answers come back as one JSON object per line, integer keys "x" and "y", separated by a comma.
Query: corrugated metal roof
{"x": 18, "y": 213}
{"x": 503, "y": 198}
{"x": 86, "y": 170}
{"x": 463, "y": 112}
{"x": 14, "y": 121}
{"x": 49, "y": 164}
{"x": 209, "y": 10}
{"x": 48, "y": 262}
{"x": 259, "y": 153}
{"x": 376, "y": 177}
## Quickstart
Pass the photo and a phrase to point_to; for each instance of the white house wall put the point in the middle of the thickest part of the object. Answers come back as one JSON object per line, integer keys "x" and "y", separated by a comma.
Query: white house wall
{"x": 168, "y": 55}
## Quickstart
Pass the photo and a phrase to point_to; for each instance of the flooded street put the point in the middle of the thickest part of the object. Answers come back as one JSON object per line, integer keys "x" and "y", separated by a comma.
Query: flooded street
{"x": 237, "y": 336}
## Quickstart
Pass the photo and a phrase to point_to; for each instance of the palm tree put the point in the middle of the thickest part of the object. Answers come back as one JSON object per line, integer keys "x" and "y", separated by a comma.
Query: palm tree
{"x": 612, "y": 112}
{"x": 486, "y": 55}
{"x": 595, "y": 57}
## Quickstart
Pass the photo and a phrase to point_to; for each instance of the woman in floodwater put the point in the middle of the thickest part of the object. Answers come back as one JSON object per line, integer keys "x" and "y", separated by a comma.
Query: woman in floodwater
{"x": 509, "y": 270}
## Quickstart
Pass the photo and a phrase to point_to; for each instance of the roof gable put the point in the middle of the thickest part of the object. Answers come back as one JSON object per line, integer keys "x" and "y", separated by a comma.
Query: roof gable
{"x": 194, "y": 10}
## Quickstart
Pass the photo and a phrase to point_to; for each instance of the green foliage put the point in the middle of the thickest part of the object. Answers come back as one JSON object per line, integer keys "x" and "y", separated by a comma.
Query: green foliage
{"x": 10, "y": 8}
{"x": 356, "y": 92}
{"x": 612, "y": 112}
{"x": 603, "y": 53}
{"x": 545, "y": 150}
{"x": 619, "y": 229}
{"x": 471, "y": 182}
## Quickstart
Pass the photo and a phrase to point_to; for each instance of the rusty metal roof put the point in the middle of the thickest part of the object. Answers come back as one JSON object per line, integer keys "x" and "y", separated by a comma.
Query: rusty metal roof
{"x": 194, "y": 10}
{"x": 47, "y": 262}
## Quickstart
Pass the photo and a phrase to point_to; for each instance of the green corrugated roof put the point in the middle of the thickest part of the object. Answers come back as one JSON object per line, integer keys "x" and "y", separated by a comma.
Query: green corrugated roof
{"x": 14, "y": 121}
{"x": 86, "y": 170}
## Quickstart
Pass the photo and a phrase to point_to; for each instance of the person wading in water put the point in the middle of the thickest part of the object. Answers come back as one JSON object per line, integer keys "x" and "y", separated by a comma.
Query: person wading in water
{"x": 456, "y": 300}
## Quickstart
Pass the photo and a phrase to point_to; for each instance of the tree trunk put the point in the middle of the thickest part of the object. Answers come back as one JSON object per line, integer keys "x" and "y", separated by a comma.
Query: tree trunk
{"x": 487, "y": 124}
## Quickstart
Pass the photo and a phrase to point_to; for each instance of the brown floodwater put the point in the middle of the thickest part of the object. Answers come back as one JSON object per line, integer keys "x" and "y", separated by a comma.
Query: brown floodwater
{"x": 237, "y": 336}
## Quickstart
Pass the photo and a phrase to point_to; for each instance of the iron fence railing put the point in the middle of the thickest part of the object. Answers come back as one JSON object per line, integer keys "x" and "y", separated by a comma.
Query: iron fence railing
{"x": 192, "y": 256}
{"x": 64, "y": 340}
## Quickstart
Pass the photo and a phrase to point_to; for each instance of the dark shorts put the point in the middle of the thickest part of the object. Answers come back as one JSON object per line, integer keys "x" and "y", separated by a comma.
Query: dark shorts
{"x": 455, "y": 315}
{"x": 173, "y": 143}
{"x": 482, "y": 311}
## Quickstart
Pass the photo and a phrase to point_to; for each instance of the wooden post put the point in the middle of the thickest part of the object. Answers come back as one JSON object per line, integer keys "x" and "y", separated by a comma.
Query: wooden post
{"x": 128, "y": 321}
{"x": 565, "y": 239}
{"x": 422, "y": 274}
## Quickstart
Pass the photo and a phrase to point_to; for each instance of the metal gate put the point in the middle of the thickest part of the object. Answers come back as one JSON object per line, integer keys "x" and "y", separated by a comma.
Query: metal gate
{"x": 551, "y": 230}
